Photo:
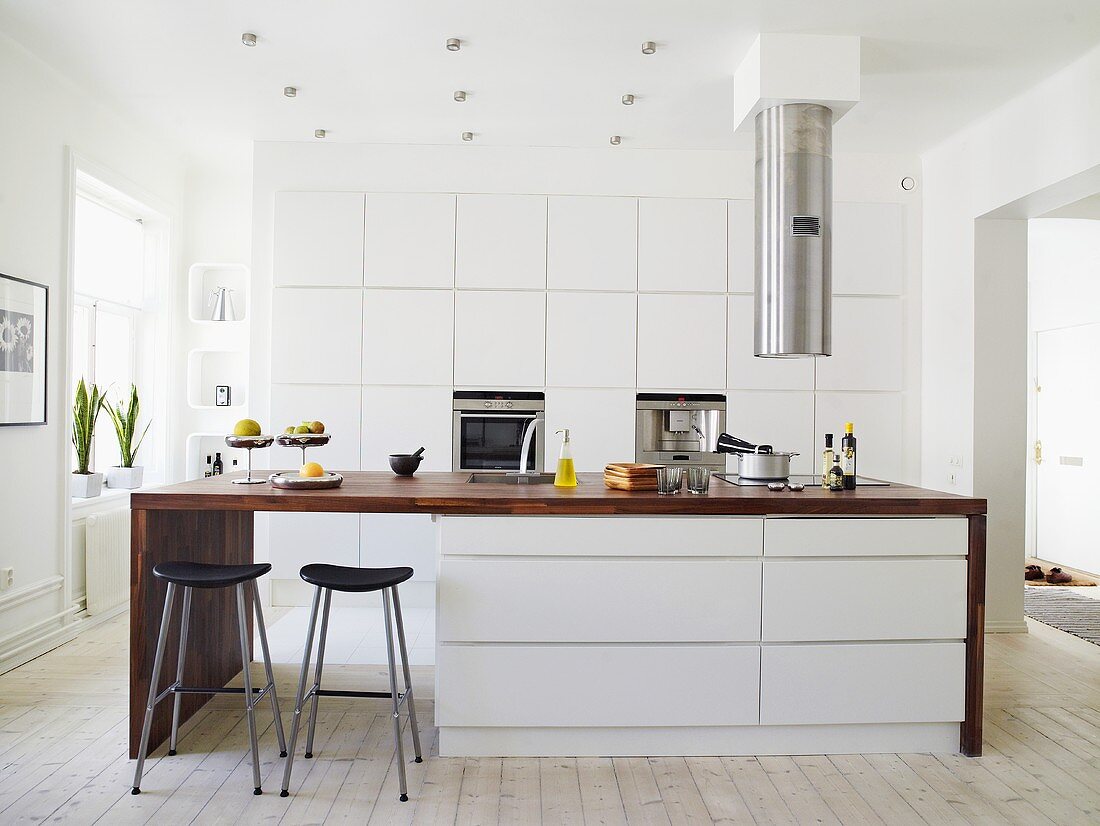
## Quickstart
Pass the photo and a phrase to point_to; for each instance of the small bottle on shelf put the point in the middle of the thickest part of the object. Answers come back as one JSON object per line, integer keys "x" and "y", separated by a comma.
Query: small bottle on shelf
{"x": 219, "y": 468}
{"x": 836, "y": 474}
{"x": 209, "y": 467}
{"x": 826, "y": 460}
{"x": 234, "y": 468}
{"x": 848, "y": 451}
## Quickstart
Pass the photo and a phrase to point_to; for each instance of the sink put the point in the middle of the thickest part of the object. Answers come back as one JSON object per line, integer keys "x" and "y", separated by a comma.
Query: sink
{"x": 505, "y": 479}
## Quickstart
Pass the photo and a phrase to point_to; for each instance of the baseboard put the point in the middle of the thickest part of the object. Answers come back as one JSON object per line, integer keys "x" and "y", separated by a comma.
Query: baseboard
{"x": 30, "y": 649}
{"x": 1006, "y": 626}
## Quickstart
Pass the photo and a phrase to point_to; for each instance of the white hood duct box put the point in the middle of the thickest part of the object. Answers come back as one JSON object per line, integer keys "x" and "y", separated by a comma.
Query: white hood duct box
{"x": 794, "y": 217}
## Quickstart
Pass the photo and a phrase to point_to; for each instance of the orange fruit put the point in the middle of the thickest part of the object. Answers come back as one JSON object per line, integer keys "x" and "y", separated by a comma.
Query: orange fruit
{"x": 311, "y": 470}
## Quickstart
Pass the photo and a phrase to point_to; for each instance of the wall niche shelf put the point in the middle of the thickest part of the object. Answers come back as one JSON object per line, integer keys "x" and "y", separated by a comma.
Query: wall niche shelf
{"x": 201, "y": 445}
{"x": 203, "y": 279}
{"x": 206, "y": 369}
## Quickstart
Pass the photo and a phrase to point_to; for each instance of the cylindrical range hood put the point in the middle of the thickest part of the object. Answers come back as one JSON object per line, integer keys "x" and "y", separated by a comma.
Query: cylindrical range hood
{"x": 794, "y": 211}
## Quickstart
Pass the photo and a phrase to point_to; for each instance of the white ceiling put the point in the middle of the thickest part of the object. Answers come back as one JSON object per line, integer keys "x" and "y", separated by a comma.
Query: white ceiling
{"x": 1085, "y": 208}
{"x": 537, "y": 73}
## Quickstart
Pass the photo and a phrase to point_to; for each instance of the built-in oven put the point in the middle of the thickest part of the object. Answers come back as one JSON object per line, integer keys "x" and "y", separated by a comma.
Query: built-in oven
{"x": 489, "y": 427}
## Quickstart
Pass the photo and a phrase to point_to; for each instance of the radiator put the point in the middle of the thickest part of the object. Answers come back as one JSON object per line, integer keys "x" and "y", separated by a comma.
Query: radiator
{"x": 107, "y": 560}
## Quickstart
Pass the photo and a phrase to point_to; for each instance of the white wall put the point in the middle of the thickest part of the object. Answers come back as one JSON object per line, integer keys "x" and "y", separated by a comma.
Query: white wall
{"x": 1035, "y": 153}
{"x": 47, "y": 116}
{"x": 647, "y": 188}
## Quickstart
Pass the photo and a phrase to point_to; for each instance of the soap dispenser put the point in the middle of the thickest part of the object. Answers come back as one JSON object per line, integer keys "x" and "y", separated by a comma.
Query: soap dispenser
{"x": 566, "y": 476}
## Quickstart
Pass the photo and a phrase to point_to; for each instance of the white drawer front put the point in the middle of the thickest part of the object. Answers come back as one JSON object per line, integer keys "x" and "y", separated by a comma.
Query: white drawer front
{"x": 864, "y": 599}
{"x": 505, "y": 685}
{"x": 876, "y": 683}
{"x": 602, "y": 536}
{"x": 944, "y": 536}
{"x": 606, "y": 600}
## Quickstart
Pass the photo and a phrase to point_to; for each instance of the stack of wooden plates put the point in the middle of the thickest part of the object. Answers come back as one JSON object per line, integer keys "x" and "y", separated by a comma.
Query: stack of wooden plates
{"x": 630, "y": 476}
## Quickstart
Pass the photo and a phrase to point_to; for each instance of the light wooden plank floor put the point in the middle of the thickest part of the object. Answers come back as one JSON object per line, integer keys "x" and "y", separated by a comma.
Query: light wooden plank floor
{"x": 63, "y": 759}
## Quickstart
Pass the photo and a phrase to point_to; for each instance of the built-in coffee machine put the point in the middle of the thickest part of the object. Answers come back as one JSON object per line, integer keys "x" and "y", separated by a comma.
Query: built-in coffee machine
{"x": 680, "y": 429}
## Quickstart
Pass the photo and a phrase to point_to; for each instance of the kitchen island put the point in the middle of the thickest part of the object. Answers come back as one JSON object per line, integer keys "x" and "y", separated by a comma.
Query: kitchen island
{"x": 589, "y": 621}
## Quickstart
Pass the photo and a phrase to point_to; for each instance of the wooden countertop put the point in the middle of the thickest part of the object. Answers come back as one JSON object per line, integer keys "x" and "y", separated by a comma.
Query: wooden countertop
{"x": 450, "y": 493}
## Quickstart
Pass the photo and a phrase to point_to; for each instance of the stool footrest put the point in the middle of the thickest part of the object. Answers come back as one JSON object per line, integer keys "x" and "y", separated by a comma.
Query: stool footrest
{"x": 175, "y": 688}
{"x": 327, "y": 692}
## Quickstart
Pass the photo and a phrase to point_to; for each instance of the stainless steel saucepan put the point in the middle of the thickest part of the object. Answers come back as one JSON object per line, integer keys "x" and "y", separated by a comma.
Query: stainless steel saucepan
{"x": 760, "y": 462}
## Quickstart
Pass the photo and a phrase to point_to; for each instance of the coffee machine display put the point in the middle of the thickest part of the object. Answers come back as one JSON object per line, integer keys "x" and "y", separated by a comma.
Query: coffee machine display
{"x": 680, "y": 429}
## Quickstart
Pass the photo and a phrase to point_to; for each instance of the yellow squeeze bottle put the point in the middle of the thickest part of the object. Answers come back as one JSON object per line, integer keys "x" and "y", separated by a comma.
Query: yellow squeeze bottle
{"x": 566, "y": 475}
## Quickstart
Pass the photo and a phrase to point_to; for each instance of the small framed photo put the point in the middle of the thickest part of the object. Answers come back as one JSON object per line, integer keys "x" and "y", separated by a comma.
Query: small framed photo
{"x": 23, "y": 312}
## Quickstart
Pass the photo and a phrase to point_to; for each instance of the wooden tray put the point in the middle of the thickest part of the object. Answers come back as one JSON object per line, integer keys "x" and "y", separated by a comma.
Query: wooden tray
{"x": 631, "y": 469}
{"x": 617, "y": 483}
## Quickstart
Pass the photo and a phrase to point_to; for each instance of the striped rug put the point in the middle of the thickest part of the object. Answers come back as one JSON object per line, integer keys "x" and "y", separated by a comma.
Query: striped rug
{"x": 1065, "y": 611}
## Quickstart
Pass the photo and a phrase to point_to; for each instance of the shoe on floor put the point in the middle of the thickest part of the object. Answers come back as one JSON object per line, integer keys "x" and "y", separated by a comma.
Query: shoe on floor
{"x": 1058, "y": 576}
{"x": 1033, "y": 572}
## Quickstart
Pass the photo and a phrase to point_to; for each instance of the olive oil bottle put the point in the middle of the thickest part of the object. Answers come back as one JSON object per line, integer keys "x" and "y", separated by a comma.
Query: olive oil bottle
{"x": 566, "y": 476}
{"x": 848, "y": 452}
{"x": 826, "y": 460}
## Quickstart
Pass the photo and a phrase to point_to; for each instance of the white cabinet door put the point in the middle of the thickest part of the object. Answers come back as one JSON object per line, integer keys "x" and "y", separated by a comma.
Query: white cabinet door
{"x": 592, "y": 243}
{"x": 318, "y": 239}
{"x": 784, "y": 420}
{"x": 878, "y": 429}
{"x": 336, "y": 316}
{"x": 868, "y": 248}
{"x": 410, "y": 240}
{"x": 402, "y": 419}
{"x": 739, "y": 235}
{"x": 600, "y": 422}
{"x": 591, "y": 339}
{"x": 594, "y": 685}
{"x": 868, "y": 337}
{"x": 408, "y": 336}
{"x": 873, "y": 683}
{"x": 864, "y": 599}
{"x": 591, "y": 600}
{"x": 299, "y": 539}
{"x": 682, "y": 342}
{"x": 399, "y": 539}
{"x": 501, "y": 242}
{"x": 500, "y": 339}
{"x": 338, "y": 407}
{"x": 745, "y": 370}
{"x": 682, "y": 244}
{"x": 870, "y": 536}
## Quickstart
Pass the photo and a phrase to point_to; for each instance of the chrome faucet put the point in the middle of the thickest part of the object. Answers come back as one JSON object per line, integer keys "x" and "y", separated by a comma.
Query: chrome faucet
{"x": 526, "y": 449}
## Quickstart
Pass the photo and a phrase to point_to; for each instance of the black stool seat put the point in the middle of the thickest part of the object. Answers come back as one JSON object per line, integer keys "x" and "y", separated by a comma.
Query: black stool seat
{"x": 345, "y": 578}
{"x": 208, "y": 575}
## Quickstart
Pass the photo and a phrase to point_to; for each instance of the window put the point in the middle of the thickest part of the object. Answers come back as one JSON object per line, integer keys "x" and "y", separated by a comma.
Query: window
{"x": 114, "y": 321}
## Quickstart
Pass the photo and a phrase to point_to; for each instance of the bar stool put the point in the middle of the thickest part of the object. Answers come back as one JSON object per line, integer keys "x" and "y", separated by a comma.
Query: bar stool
{"x": 329, "y": 578}
{"x": 191, "y": 575}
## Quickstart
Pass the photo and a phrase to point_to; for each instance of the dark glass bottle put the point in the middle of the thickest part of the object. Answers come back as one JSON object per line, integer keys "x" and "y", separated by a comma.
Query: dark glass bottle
{"x": 836, "y": 474}
{"x": 848, "y": 451}
{"x": 219, "y": 468}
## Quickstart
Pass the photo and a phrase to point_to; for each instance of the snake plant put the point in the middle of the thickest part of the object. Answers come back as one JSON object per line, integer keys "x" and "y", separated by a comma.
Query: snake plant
{"x": 86, "y": 407}
{"x": 125, "y": 421}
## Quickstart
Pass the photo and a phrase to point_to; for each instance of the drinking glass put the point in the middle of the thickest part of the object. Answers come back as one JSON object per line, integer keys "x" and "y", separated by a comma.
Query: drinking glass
{"x": 669, "y": 479}
{"x": 698, "y": 479}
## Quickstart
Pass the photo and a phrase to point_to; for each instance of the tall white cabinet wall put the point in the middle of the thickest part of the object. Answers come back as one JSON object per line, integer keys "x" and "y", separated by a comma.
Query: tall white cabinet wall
{"x": 590, "y": 298}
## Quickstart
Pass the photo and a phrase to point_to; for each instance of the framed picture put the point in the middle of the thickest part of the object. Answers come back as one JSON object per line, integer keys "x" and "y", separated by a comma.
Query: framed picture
{"x": 23, "y": 308}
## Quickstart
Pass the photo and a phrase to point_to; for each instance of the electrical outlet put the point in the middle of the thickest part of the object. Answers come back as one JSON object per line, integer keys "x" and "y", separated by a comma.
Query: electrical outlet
{"x": 7, "y": 578}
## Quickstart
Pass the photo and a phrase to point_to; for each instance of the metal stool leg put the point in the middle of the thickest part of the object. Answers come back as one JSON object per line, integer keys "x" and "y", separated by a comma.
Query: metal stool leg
{"x": 300, "y": 696}
{"x": 249, "y": 703}
{"x": 158, "y": 658}
{"x": 393, "y": 692}
{"x": 317, "y": 676}
{"x": 270, "y": 673}
{"x": 185, "y": 623}
{"x": 408, "y": 677}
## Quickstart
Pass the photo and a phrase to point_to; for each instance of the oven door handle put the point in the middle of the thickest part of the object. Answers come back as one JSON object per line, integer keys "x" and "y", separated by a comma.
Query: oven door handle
{"x": 509, "y": 413}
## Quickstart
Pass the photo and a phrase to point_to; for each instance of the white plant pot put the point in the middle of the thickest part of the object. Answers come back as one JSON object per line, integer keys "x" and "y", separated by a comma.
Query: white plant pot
{"x": 86, "y": 485}
{"x": 128, "y": 478}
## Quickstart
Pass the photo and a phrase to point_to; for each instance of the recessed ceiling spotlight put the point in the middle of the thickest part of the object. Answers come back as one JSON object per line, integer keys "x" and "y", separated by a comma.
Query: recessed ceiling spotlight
{"x": 649, "y": 47}
{"x": 616, "y": 140}
{"x": 628, "y": 100}
{"x": 467, "y": 136}
{"x": 908, "y": 183}
{"x": 248, "y": 39}
{"x": 454, "y": 44}
{"x": 460, "y": 96}
{"x": 290, "y": 92}
{"x": 319, "y": 133}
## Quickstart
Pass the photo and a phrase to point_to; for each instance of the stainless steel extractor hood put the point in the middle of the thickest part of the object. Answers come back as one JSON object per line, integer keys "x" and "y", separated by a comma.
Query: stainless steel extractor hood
{"x": 794, "y": 211}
